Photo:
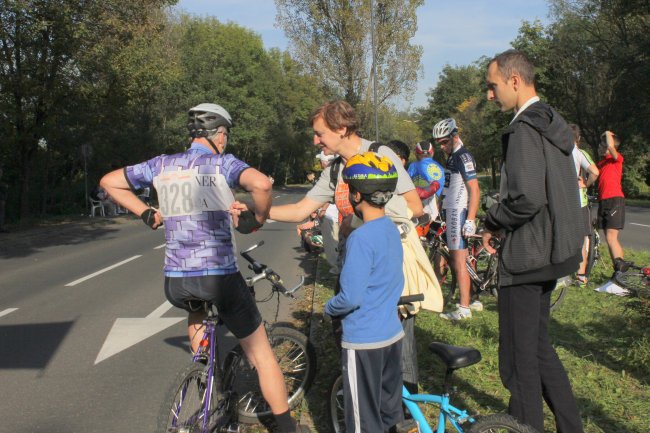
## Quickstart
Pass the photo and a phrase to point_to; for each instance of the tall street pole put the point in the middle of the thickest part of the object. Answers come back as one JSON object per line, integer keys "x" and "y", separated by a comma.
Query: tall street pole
{"x": 374, "y": 67}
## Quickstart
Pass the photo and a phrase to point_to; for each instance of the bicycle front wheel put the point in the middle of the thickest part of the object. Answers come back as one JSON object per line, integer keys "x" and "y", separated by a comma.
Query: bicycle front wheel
{"x": 499, "y": 423}
{"x": 297, "y": 359}
{"x": 335, "y": 406}
{"x": 187, "y": 410}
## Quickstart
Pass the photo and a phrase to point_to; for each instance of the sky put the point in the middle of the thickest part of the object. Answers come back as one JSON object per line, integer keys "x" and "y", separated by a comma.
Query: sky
{"x": 454, "y": 32}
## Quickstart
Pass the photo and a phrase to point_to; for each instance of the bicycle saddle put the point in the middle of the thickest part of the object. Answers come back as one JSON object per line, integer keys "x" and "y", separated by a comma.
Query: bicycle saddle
{"x": 455, "y": 357}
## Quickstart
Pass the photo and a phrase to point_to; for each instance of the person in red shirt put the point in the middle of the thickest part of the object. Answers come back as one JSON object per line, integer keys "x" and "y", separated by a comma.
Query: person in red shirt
{"x": 611, "y": 200}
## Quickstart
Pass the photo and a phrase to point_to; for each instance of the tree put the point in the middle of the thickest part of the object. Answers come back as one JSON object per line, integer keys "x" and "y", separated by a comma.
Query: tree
{"x": 331, "y": 38}
{"x": 43, "y": 45}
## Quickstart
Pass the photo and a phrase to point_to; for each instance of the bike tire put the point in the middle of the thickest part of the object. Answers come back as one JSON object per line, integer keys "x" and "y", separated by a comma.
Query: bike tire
{"x": 487, "y": 268}
{"x": 634, "y": 281}
{"x": 557, "y": 297}
{"x": 185, "y": 410}
{"x": 592, "y": 252}
{"x": 335, "y": 406}
{"x": 297, "y": 359}
{"x": 499, "y": 423}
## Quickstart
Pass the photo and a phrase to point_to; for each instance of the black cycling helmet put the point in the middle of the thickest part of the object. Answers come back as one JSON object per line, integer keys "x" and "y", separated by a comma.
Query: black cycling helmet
{"x": 204, "y": 119}
{"x": 373, "y": 175}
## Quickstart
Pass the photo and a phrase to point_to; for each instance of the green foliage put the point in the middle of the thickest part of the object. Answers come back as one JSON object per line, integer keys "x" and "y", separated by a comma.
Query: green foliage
{"x": 332, "y": 39}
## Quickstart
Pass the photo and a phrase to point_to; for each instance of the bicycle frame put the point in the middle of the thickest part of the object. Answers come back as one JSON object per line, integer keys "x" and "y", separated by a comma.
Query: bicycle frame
{"x": 447, "y": 411}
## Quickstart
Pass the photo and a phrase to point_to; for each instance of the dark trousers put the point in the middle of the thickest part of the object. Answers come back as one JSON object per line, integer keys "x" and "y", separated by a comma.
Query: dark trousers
{"x": 372, "y": 389}
{"x": 529, "y": 366}
{"x": 409, "y": 355}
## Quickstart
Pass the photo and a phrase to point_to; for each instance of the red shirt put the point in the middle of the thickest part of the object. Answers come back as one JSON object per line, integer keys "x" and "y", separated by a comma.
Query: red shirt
{"x": 611, "y": 173}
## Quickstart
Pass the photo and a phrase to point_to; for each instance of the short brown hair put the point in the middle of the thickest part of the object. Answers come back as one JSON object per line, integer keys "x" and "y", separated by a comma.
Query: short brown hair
{"x": 512, "y": 61}
{"x": 575, "y": 129}
{"x": 337, "y": 115}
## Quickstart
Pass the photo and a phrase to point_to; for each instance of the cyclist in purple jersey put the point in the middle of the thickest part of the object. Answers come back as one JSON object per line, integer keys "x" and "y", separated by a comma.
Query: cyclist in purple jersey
{"x": 194, "y": 196}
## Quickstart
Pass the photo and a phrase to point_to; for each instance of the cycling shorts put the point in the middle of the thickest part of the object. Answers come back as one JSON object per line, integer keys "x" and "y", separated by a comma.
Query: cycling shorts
{"x": 455, "y": 219}
{"x": 611, "y": 213}
{"x": 228, "y": 293}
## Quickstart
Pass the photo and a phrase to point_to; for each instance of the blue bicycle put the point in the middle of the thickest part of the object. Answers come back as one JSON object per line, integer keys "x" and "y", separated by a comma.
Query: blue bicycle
{"x": 454, "y": 358}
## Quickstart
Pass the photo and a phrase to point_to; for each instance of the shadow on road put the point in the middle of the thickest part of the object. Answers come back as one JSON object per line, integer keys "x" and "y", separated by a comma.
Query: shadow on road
{"x": 30, "y": 346}
{"x": 30, "y": 241}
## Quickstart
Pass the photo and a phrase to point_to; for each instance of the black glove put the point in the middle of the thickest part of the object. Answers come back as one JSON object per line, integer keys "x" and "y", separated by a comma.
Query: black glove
{"x": 247, "y": 223}
{"x": 149, "y": 218}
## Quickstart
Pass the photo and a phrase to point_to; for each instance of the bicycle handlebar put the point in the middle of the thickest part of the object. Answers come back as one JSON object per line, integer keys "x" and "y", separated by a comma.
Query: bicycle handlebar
{"x": 410, "y": 298}
{"x": 264, "y": 272}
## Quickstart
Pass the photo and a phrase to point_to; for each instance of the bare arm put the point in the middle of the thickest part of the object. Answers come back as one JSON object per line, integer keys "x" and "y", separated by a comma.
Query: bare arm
{"x": 474, "y": 198}
{"x": 259, "y": 187}
{"x": 611, "y": 146}
{"x": 413, "y": 202}
{"x": 295, "y": 212}
{"x": 117, "y": 187}
{"x": 593, "y": 175}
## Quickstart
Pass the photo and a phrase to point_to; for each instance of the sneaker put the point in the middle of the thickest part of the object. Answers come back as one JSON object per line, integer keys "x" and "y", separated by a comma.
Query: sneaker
{"x": 459, "y": 314}
{"x": 581, "y": 280}
{"x": 476, "y": 305}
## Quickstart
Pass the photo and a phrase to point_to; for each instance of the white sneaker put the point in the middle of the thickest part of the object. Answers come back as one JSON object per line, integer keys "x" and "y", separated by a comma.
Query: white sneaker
{"x": 459, "y": 314}
{"x": 474, "y": 306}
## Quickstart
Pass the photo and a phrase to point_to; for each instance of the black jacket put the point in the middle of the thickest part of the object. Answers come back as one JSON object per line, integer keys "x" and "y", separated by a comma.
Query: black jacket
{"x": 539, "y": 211}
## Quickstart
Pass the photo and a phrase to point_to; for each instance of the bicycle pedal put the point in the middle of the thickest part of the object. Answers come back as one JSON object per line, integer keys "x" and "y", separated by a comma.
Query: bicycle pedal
{"x": 407, "y": 426}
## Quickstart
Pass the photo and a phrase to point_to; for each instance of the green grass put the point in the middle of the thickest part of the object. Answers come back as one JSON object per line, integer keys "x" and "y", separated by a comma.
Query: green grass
{"x": 602, "y": 340}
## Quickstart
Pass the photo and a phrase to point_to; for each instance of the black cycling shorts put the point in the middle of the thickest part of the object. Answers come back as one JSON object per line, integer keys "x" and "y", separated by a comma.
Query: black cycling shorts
{"x": 228, "y": 293}
{"x": 611, "y": 213}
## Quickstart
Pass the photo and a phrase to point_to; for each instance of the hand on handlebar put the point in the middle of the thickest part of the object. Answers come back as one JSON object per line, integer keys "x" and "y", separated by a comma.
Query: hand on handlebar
{"x": 487, "y": 244}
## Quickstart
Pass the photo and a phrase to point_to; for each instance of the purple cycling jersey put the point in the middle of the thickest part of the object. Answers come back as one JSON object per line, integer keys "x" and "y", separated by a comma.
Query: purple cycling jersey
{"x": 194, "y": 195}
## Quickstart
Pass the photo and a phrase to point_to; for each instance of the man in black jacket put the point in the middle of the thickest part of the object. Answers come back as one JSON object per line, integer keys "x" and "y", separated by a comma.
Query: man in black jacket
{"x": 538, "y": 219}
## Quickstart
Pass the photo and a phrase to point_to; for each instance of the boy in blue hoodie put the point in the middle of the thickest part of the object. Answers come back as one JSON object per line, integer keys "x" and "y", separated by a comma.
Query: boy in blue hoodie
{"x": 371, "y": 284}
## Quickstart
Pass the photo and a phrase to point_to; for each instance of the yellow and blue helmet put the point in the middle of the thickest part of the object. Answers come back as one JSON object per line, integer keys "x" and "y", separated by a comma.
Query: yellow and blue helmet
{"x": 369, "y": 173}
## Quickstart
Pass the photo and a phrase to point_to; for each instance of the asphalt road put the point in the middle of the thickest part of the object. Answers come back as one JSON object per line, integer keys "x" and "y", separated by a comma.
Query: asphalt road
{"x": 87, "y": 343}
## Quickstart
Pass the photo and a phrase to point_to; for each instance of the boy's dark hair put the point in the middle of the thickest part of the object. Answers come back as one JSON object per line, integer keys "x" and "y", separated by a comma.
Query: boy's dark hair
{"x": 511, "y": 61}
{"x": 400, "y": 148}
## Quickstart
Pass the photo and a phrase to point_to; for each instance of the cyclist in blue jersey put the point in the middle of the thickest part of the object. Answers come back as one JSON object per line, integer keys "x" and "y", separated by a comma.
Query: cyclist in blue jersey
{"x": 428, "y": 177}
{"x": 459, "y": 205}
{"x": 194, "y": 195}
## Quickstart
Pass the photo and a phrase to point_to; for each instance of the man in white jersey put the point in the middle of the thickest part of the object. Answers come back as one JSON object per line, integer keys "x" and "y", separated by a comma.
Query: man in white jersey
{"x": 459, "y": 205}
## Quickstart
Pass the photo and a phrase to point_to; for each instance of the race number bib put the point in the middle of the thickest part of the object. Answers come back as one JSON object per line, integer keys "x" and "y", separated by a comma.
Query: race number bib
{"x": 186, "y": 192}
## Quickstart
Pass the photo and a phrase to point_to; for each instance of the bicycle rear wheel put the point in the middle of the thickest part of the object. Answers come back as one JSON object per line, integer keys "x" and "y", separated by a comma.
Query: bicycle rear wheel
{"x": 634, "y": 280}
{"x": 593, "y": 255}
{"x": 499, "y": 423}
{"x": 297, "y": 359}
{"x": 186, "y": 411}
{"x": 335, "y": 406}
{"x": 558, "y": 294}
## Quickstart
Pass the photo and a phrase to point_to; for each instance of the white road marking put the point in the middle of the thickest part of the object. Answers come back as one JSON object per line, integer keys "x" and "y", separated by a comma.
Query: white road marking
{"x": 642, "y": 225}
{"x": 127, "y": 332}
{"x": 87, "y": 277}
{"x": 7, "y": 311}
{"x": 159, "y": 246}
{"x": 269, "y": 221}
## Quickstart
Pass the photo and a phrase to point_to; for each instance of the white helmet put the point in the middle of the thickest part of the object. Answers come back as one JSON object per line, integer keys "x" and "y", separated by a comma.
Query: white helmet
{"x": 207, "y": 117}
{"x": 444, "y": 128}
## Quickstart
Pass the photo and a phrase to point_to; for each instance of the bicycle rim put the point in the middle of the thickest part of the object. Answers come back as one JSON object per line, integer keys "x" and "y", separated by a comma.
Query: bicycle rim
{"x": 335, "y": 406}
{"x": 186, "y": 413}
{"x": 297, "y": 360}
